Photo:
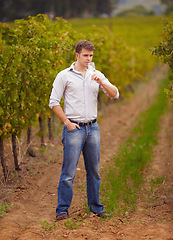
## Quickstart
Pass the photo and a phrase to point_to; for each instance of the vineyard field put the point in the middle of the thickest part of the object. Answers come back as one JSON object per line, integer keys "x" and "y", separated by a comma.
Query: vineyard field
{"x": 34, "y": 50}
{"x": 136, "y": 130}
{"x": 137, "y": 32}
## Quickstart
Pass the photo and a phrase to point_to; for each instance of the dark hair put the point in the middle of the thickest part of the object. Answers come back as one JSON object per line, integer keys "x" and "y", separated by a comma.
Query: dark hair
{"x": 84, "y": 44}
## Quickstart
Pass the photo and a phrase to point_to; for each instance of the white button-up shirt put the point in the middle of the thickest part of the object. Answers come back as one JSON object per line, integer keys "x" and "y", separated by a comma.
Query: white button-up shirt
{"x": 79, "y": 93}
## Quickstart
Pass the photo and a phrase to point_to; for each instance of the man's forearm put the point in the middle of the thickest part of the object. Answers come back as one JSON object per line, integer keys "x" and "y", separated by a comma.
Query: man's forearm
{"x": 60, "y": 114}
{"x": 111, "y": 90}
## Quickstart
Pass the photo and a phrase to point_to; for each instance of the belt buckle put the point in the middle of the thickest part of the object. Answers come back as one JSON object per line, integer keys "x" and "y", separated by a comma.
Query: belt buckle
{"x": 87, "y": 124}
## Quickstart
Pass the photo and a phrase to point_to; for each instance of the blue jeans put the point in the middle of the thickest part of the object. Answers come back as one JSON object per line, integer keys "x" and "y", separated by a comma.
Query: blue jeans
{"x": 87, "y": 140}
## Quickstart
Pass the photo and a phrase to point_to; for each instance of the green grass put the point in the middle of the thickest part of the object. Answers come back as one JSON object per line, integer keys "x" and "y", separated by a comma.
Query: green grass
{"x": 124, "y": 178}
{"x": 73, "y": 224}
{"x": 46, "y": 226}
{"x": 4, "y": 207}
{"x": 136, "y": 31}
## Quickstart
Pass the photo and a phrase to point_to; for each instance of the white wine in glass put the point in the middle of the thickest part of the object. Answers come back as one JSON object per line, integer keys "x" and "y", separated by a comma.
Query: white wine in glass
{"x": 91, "y": 67}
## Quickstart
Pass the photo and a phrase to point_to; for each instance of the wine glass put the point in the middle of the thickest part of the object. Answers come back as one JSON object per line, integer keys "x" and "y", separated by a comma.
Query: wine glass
{"x": 91, "y": 67}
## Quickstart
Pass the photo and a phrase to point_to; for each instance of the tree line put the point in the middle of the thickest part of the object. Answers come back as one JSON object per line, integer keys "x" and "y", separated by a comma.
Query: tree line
{"x": 15, "y": 9}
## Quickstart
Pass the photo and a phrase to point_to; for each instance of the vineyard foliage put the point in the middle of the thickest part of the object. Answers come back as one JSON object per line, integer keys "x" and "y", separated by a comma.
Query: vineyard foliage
{"x": 31, "y": 55}
{"x": 165, "y": 52}
{"x": 34, "y": 50}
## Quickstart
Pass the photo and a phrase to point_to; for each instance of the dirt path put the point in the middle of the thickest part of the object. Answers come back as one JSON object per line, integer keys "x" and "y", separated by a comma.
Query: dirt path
{"x": 34, "y": 197}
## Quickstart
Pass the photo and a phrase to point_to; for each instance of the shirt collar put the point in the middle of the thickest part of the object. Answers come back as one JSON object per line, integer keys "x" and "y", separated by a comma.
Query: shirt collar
{"x": 71, "y": 68}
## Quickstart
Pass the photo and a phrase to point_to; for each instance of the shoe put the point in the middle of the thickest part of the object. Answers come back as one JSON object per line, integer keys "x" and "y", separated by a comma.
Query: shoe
{"x": 61, "y": 216}
{"x": 104, "y": 215}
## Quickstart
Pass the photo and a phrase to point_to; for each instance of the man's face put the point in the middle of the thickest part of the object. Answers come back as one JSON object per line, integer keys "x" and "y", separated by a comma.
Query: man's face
{"x": 84, "y": 57}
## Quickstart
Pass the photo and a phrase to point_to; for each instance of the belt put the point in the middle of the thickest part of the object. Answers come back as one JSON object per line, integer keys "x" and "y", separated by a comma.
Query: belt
{"x": 81, "y": 124}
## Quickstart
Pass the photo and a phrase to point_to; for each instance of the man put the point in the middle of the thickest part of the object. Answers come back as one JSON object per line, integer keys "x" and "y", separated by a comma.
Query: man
{"x": 79, "y": 89}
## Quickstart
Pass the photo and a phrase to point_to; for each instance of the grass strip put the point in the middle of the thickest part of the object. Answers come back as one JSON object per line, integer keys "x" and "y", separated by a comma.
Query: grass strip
{"x": 4, "y": 208}
{"x": 125, "y": 176}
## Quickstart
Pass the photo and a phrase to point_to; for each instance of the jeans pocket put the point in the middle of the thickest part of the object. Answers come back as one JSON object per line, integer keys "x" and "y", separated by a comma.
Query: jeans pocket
{"x": 95, "y": 126}
{"x": 67, "y": 133}
{"x": 73, "y": 130}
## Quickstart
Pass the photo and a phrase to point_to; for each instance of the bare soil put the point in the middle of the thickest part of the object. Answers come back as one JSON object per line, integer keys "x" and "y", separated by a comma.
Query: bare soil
{"x": 33, "y": 192}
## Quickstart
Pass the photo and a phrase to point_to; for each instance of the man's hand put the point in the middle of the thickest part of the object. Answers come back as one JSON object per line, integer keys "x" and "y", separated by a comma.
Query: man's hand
{"x": 71, "y": 126}
{"x": 110, "y": 89}
{"x": 96, "y": 78}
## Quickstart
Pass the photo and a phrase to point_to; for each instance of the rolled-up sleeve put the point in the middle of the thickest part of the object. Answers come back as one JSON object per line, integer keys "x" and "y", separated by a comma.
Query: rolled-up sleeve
{"x": 105, "y": 80}
{"x": 57, "y": 91}
{"x": 118, "y": 94}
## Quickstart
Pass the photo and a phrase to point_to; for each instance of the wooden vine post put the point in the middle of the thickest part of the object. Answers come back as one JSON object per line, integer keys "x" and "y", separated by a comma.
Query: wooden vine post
{"x": 41, "y": 131}
{"x": 29, "y": 147}
{"x": 3, "y": 162}
{"x": 49, "y": 128}
{"x": 14, "y": 146}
